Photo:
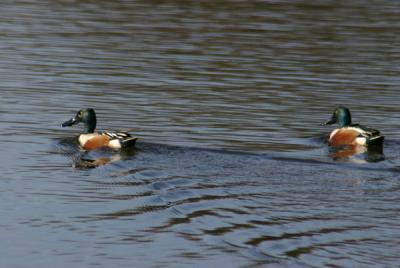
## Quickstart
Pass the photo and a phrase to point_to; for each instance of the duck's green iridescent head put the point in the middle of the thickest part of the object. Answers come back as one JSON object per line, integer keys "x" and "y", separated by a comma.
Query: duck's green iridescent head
{"x": 86, "y": 116}
{"x": 341, "y": 116}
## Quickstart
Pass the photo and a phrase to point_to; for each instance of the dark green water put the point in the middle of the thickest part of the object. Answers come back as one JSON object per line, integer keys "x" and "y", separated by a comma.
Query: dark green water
{"x": 227, "y": 98}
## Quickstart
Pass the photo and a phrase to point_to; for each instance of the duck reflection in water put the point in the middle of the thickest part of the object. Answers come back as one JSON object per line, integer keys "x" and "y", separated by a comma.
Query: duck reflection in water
{"x": 100, "y": 157}
{"x": 353, "y": 139}
{"x": 356, "y": 153}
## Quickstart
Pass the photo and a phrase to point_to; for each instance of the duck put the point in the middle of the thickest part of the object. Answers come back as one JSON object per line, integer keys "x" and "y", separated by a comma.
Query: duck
{"x": 351, "y": 134}
{"x": 90, "y": 140}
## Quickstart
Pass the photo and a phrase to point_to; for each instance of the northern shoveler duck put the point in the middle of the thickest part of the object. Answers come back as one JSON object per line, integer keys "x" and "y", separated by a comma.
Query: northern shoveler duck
{"x": 351, "y": 134}
{"x": 90, "y": 140}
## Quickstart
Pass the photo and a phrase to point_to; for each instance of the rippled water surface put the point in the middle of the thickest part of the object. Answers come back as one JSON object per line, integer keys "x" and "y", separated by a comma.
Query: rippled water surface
{"x": 227, "y": 98}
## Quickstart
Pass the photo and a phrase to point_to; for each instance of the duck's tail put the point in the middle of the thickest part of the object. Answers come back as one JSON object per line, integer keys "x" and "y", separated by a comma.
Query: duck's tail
{"x": 375, "y": 144}
{"x": 375, "y": 141}
{"x": 129, "y": 142}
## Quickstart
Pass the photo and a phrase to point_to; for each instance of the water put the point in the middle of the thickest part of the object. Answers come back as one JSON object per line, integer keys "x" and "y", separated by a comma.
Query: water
{"x": 227, "y": 98}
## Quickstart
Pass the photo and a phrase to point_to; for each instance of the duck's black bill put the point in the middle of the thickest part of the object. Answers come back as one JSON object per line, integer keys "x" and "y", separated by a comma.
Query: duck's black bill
{"x": 70, "y": 122}
{"x": 331, "y": 121}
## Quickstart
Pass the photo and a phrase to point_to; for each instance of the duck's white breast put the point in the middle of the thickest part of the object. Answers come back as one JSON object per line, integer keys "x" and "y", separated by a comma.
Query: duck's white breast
{"x": 83, "y": 138}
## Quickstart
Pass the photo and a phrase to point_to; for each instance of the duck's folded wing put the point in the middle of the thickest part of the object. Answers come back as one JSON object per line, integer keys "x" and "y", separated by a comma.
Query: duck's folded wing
{"x": 117, "y": 135}
{"x": 365, "y": 131}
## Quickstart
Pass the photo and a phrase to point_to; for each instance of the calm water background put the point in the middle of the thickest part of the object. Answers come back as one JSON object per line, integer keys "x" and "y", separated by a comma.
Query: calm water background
{"x": 227, "y": 98}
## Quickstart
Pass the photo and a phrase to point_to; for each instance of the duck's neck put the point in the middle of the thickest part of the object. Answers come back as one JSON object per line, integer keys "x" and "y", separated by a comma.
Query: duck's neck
{"x": 89, "y": 128}
{"x": 344, "y": 121}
